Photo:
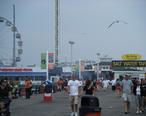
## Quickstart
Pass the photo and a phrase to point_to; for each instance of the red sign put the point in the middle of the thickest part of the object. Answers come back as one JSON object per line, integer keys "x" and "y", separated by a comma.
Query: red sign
{"x": 15, "y": 70}
{"x": 51, "y": 66}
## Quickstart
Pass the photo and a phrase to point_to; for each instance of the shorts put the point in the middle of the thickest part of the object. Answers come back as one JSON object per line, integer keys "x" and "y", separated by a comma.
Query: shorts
{"x": 127, "y": 97}
{"x": 73, "y": 99}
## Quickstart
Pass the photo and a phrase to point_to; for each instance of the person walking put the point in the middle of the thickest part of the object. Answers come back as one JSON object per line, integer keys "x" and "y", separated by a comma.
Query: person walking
{"x": 127, "y": 91}
{"x": 48, "y": 86}
{"x": 143, "y": 93}
{"x": 137, "y": 90}
{"x": 118, "y": 87}
{"x": 89, "y": 89}
{"x": 5, "y": 96}
{"x": 74, "y": 92}
{"x": 105, "y": 84}
{"x": 28, "y": 86}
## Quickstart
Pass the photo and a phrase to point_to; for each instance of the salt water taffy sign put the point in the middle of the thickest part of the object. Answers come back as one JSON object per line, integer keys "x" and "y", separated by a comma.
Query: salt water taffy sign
{"x": 129, "y": 63}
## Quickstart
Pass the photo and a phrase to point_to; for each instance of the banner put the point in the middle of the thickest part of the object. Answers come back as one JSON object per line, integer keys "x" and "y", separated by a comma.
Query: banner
{"x": 43, "y": 61}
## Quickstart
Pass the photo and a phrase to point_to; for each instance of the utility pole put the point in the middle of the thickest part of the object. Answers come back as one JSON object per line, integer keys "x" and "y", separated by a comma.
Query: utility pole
{"x": 56, "y": 31}
{"x": 14, "y": 37}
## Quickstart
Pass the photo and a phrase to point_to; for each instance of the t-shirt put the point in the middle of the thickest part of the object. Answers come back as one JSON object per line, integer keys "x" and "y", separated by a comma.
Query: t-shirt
{"x": 113, "y": 82}
{"x": 74, "y": 86}
{"x": 138, "y": 90}
{"x": 127, "y": 84}
{"x": 88, "y": 90}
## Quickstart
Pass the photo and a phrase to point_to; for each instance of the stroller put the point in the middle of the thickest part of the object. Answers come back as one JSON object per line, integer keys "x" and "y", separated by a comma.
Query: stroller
{"x": 89, "y": 106}
{"x": 4, "y": 107}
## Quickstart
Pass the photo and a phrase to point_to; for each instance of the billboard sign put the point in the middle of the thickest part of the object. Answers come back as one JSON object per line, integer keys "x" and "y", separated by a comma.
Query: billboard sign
{"x": 50, "y": 61}
{"x": 127, "y": 63}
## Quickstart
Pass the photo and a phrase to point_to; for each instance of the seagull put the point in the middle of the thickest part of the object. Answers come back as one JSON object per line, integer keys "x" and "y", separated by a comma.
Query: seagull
{"x": 117, "y": 21}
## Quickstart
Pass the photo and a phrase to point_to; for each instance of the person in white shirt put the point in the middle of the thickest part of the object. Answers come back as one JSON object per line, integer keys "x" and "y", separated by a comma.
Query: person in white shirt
{"x": 105, "y": 84}
{"x": 127, "y": 87}
{"x": 113, "y": 83}
{"x": 74, "y": 92}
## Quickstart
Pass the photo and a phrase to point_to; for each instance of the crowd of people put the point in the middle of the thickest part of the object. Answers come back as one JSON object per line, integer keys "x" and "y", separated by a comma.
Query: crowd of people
{"x": 125, "y": 87}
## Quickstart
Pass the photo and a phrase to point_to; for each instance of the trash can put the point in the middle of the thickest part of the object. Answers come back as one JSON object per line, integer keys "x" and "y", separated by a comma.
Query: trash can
{"x": 48, "y": 92}
{"x": 89, "y": 106}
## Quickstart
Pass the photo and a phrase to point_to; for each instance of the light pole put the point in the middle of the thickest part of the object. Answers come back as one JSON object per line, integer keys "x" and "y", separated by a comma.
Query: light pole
{"x": 98, "y": 54}
{"x": 14, "y": 38}
{"x": 56, "y": 31}
{"x": 71, "y": 54}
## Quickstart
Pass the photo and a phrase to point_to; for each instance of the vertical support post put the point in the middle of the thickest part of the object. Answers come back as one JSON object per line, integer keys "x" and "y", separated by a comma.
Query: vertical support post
{"x": 47, "y": 69}
{"x": 56, "y": 31}
{"x": 14, "y": 37}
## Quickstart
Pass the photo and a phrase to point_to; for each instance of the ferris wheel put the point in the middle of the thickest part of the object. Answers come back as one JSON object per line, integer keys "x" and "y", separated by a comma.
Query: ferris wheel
{"x": 10, "y": 43}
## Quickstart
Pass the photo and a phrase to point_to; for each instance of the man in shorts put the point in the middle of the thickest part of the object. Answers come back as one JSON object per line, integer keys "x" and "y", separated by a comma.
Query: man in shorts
{"x": 74, "y": 92}
{"x": 127, "y": 91}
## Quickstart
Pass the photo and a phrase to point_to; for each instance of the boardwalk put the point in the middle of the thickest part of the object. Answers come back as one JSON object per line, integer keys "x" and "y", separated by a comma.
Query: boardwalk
{"x": 111, "y": 105}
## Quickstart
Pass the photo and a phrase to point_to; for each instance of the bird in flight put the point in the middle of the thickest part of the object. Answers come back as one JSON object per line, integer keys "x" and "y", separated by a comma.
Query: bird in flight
{"x": 117, "y": 21}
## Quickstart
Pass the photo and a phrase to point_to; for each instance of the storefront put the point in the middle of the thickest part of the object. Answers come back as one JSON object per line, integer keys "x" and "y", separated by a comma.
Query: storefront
{"x": 20, "y": 74}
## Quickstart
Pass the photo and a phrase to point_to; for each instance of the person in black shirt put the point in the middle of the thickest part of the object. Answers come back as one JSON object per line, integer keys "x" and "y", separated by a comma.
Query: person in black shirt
{"x": 143, "y": 93}
{"x": 5, "y": 96}
{"x": 5, "y": 89}
{"x": 89, "y": 89}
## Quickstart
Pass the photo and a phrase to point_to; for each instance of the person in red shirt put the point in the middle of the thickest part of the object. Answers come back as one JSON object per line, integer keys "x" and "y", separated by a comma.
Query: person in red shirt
{"x": 28, "y": 86}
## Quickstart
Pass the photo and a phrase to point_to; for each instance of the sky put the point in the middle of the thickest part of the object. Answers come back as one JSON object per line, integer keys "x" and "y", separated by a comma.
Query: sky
{"x": 83, "y": 21}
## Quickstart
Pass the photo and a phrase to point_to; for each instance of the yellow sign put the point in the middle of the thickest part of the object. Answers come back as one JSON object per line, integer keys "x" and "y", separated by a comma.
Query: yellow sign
{"x": 127, "y": 63}
{"x": 131, "y": 57}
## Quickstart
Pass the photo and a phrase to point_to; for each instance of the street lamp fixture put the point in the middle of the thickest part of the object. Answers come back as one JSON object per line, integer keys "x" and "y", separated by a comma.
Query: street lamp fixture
{"x": 71, "y": 54}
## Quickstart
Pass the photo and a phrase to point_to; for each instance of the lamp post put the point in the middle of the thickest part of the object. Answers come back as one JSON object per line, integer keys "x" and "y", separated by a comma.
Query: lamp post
{"x": 56, "y": 31}
{"x": 98, "y": 54}
{"x": 14, "y": 38}
{"x": 71, "y": 54}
